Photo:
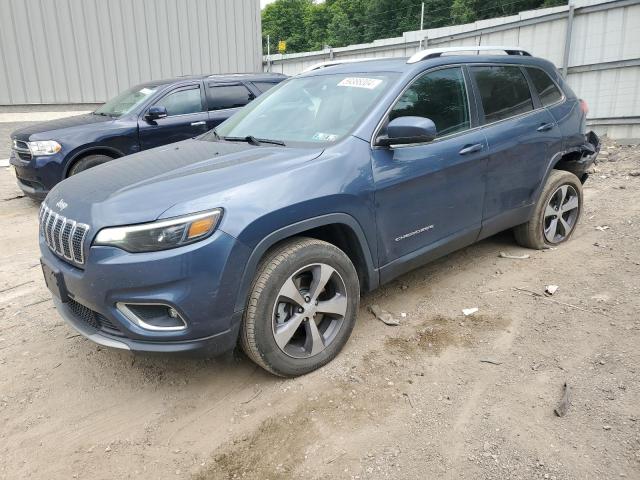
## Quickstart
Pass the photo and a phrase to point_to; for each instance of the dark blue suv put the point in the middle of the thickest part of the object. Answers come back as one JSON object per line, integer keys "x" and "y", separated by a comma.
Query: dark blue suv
{"x": 265, "y": 230}
{"x": 145, "y": 116}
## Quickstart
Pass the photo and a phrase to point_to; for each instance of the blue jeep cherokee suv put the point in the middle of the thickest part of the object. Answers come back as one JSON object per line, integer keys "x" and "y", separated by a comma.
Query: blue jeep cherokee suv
{"x": 145, "y": 116}
{"x": 266, "y": 230}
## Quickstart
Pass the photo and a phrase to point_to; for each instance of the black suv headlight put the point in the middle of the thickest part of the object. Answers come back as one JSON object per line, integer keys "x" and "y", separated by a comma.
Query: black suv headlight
{"x": 162, "y": 234}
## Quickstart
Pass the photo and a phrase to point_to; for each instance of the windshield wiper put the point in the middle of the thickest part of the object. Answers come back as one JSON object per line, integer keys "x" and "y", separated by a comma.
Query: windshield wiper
{"x": 254, "y": 141}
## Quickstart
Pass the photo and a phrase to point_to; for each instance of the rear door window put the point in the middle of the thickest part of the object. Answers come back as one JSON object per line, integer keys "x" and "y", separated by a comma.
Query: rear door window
{"x": 439, "y": 95}
{"x": 546, "y": 88}
{"x": 182, "y": 101}
{"x": 504, "y": 91}
{"x": 221, "y": 97}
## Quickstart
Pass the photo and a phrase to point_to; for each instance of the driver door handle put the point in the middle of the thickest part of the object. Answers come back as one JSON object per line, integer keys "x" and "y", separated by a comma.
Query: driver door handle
{"x": 195, "y": 124}
{"x": 544, "y": 127}
{"x": 470, "y": 149}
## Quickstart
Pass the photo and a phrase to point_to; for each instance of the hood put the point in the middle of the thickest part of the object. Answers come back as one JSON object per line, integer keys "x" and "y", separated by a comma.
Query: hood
{"x": 190, "y": 176}
{"x": 52, "y": 129}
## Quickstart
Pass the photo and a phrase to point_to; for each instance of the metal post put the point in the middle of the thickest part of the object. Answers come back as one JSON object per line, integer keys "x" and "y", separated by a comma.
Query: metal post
{"x": 567, "y": 41}
{"x": 421, "y": 25}
{"x": 268, "y": 54}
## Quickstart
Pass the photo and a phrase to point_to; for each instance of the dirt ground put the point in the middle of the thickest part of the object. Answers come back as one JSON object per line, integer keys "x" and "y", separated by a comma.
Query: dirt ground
{"x": 417, "y": 401}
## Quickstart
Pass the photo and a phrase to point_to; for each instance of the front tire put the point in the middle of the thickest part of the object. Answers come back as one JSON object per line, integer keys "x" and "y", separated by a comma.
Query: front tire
{"x": 556, "y": 214}
{"x": 88, "y": 162}
{"x": 302, "y": 307}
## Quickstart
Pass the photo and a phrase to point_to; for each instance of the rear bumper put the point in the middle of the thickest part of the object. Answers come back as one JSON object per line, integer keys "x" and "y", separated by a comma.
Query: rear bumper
{"x": 583, "y": 157}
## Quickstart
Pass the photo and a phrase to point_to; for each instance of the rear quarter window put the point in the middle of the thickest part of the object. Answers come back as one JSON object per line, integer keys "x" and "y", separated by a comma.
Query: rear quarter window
{"x": 504, "y": 91}
{"x": 221, "y": 97}
{"x": 546, "y": 88}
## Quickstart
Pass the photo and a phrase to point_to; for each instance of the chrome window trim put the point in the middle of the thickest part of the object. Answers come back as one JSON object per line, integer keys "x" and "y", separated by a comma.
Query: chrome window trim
{"x": 557, "y": 102}
{"x": 176, "y": 90}
{"x": 489, "y": 64}
{"x": 407, "y": 86}
{"x": 484, "y": 125}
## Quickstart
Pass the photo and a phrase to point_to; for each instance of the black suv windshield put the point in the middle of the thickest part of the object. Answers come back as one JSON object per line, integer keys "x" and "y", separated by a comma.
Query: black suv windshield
{"x": 319, "y": 109}
{"x": 126, "y": 101}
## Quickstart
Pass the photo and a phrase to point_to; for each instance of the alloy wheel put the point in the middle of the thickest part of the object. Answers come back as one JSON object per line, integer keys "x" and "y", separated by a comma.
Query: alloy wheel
{"x": 309, "y": 310}
{"x": 561, "y": 214}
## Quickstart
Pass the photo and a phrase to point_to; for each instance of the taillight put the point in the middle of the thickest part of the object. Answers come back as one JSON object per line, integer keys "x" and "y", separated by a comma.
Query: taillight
{"x": 584, "y": 107}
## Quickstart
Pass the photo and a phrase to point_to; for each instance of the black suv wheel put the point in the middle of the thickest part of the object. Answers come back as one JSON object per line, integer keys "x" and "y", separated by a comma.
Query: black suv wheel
{"x": 302, "y": 307}
{"x": 88, "y": 162}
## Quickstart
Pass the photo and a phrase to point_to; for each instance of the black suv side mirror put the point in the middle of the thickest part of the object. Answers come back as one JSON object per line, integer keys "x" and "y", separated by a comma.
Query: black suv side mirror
{"x": 405, "y": 130}
{"x": 155, "y": 113}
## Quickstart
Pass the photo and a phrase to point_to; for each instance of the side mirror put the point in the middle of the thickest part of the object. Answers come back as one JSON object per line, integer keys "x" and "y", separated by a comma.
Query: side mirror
{"x": 155, "y": 113}
{"x": 405, "y": 130}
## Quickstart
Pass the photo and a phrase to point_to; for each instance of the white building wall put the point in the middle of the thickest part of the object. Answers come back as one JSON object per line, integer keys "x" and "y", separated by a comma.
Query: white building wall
{"x": 86, "y": 51}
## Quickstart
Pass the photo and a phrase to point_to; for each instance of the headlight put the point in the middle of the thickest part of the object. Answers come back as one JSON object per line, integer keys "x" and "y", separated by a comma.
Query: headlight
{"x": 161, "y": 235}
{"x": 45, "y": 147}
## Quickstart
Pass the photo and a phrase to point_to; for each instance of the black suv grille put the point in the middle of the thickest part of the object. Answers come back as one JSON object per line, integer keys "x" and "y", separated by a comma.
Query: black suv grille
{"x": 93, "y": 319}
{"x": 22, "y": 150}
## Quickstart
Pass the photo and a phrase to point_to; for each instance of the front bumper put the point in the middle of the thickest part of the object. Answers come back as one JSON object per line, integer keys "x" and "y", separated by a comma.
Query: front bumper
{"x": 200, "y": 281}
{"x": 39, "y": 174}
{"x": 212, "y": 345}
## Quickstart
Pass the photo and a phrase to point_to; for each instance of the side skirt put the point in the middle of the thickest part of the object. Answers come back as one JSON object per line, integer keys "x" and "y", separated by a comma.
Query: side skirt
{"x": 505, "y": 220}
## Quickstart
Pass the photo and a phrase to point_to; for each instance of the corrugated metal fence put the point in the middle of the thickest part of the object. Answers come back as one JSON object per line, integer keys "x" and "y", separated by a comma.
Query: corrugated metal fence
{"x": 595, "y": 43}
{"x": 86, "y": 51}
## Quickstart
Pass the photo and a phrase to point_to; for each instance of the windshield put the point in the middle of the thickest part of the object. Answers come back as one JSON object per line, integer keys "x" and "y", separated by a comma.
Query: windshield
{"x": 126, "y": 101}
{"x": 319, "y": 109}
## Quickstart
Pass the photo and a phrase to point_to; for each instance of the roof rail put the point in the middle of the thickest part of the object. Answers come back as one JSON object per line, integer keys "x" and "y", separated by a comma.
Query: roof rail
{"x": 436, "y": 52}
{"x": 331, "y": 63}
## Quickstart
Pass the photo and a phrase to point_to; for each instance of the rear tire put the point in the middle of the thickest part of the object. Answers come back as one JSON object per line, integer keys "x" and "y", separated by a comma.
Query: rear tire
{"x": 302, "y": 307}
{"x": 88, "y": 162}
{"x": 556, "y": 214}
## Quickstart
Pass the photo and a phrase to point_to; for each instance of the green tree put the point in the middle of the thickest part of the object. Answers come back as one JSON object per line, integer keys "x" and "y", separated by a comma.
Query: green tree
{"x": 463, "y": 11}
{"x": 284, "y": 20}
{"x": 348, "y": 22}
{"x": 306, "y": 25}
{"x": 316, "y": 21}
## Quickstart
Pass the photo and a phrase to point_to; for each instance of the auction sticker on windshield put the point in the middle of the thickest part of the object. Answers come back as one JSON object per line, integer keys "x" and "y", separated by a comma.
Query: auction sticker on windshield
{"x": 360, "y": 82}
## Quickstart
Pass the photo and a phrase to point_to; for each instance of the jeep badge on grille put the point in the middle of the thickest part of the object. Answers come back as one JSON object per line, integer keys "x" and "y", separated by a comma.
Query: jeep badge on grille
{"x": 62, "y": 204}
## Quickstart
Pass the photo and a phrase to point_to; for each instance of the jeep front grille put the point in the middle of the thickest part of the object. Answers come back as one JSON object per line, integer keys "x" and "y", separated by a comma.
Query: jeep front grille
{"x": 64, "y": 236}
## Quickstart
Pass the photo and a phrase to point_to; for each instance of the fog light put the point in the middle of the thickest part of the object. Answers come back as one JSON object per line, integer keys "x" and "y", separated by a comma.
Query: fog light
{"x": 153, "y": 316}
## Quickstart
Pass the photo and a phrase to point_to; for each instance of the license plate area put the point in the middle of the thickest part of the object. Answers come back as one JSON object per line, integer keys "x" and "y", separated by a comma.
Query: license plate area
{"x": 55, "y": 282}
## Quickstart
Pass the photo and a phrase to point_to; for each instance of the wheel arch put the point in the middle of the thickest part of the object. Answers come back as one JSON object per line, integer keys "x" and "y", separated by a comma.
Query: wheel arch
{"x": 95, "y": 150}
{"x": 339, "y": 229}
{"x": 567, "y": 160}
